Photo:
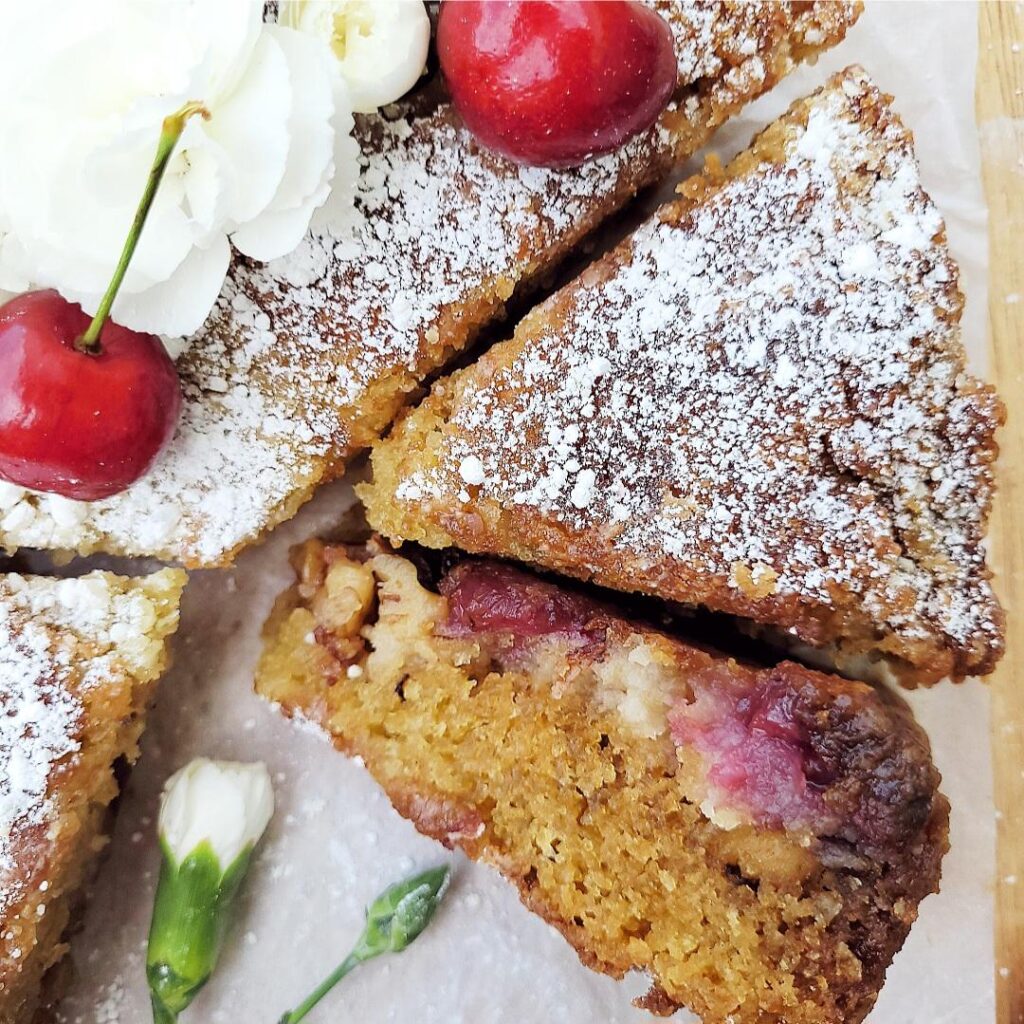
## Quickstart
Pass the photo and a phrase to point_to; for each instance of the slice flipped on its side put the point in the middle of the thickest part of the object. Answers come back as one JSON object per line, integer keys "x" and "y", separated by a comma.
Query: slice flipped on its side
{"x": 78, "y": 661}
{"x": 757, "y": 403}
{"x": 756, "y": 840}
{"x": 305, "y": 360}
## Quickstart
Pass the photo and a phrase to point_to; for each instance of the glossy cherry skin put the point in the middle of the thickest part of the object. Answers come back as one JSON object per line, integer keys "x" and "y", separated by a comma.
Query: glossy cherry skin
{"x": 555, "y": 82}
{"x": 79, "y": 424}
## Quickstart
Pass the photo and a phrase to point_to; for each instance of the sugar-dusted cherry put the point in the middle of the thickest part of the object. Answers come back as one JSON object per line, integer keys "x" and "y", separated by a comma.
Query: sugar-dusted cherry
{"x": 555, "y": 82}
{"x": 86, "y": 405}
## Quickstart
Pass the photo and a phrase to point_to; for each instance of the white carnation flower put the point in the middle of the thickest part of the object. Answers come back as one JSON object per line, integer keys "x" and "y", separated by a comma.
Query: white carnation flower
{"x": 224, "y": 803}
{"x": 381, "y": 45}
{"x": 212, "y": 815}
{"x": 85, "y": 91}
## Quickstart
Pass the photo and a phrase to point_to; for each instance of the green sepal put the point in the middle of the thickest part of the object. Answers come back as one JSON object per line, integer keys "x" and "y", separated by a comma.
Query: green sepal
{"x": 161, "y": 1013}
{"x": 402, "y": 911}
{"x": 393, "y": 920}
{"x": 190, "y": 920}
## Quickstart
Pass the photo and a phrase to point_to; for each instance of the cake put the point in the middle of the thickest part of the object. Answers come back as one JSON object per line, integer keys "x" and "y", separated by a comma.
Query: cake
{"x": 757, "y": 840}
{"x": 305, "y": 360}
{"x": 78, "y": 660}
{"x": 757, "y": 403}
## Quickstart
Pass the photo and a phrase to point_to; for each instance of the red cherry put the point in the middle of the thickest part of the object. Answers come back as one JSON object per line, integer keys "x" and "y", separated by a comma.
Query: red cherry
{"x": 554, "y": 82}
{"x": 85, "y": 404}
{"x": 80, "y": 424}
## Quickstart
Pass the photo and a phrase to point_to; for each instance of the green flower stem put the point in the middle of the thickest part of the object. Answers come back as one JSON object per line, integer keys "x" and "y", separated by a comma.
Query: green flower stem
{"x": 162, "y": 1015}
{"x": 351, "y": 961}
{"x": 170, "y": 132}
{"x": 393, "y": 921}
{"x": 190, "y": 918}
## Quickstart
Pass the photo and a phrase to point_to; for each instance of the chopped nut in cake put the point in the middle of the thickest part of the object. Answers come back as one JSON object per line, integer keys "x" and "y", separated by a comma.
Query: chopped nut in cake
{"x": 78, "y": 658}
{"x": 758, "y": 403}
{"x": 756, "y": 839}
{"x": 306, "y": 359}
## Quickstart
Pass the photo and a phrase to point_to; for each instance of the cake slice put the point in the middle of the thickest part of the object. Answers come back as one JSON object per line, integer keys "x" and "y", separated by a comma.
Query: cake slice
{"x": 757, "y": 403}
{"x": 306, "y": 359}
{"x": 756, "y": 840}
{"x": 78, "y": 659}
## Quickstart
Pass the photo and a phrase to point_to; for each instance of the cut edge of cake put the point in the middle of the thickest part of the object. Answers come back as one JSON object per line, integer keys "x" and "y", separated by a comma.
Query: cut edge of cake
{"x": 633, "y": 741}
{"x": 78, "y": 661}
{"x": 918, "y": 603}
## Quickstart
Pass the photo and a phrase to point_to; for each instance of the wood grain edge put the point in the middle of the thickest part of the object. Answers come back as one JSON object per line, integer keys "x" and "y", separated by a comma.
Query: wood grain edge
{"x": 1000, "y": 108}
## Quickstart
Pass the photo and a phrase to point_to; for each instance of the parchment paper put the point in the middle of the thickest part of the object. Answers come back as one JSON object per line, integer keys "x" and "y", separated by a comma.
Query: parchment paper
{"x": 335, "y": 841}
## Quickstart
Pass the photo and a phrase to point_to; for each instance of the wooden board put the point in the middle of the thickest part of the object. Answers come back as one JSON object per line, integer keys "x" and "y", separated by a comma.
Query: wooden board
{"x": 1000, "y": 106}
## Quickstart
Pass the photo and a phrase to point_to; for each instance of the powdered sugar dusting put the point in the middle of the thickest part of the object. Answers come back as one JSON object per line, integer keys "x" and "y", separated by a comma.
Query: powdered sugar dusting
{"x": 775, "y": 380}
{"x": 722, "y": 46}
{"x": 38, "y": 726}
{"x": 299, "y": 365}
{"x": 58, "y": 640}
{"x": 293, "y": 346}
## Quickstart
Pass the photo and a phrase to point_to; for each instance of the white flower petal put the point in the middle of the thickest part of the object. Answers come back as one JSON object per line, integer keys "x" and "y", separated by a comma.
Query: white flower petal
{"x": 224, "y": 803}
{"x": 230, "y": 33}
{"x": 276, "y": 233}
{"x": 12, "y": 265}
{"x": 252, "y": 124}
{"x": 205, "y": 185}
{"x": 310, "y": 125}
{"x": 381, "y": 45}
{"x": 306, "y": 183}
{"x": 86, "y": 89}
{"x": 178, "y": 305}
{"x": 96, "y": 207}
{"x": 339, "y": 205}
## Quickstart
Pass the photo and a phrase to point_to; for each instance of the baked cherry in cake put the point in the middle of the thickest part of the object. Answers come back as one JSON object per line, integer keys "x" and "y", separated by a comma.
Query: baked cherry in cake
{"x": 489, "y": 597}
{"x": 84, "y": 424}
{"x": 555, "y": 83}
{"x": 756, "y": 840}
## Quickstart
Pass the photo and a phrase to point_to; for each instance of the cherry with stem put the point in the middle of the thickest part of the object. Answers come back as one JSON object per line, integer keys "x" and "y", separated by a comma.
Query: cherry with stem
{"x": 87, "y": 405}
{"x": 170, "y": 133}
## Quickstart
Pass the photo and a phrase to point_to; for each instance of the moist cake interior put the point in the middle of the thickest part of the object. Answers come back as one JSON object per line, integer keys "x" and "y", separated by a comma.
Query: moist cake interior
{"x": 757, "y": 840}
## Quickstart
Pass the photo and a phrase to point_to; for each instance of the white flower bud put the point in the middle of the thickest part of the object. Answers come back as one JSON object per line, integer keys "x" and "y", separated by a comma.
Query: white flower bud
{"x": 381, "y": 45}
{"x": 226, "y": 803}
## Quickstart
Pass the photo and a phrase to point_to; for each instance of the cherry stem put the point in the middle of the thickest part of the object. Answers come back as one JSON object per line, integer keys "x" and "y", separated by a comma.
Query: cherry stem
{"x": 170, "y": 132}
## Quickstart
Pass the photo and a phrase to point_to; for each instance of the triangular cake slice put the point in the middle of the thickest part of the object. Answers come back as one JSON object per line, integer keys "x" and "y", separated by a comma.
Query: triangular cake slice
{"x": 78, "y": 659}
{"x": 306, "y": 359}
{"x": 757, "y": 403}
{"x": 757, "y": 840}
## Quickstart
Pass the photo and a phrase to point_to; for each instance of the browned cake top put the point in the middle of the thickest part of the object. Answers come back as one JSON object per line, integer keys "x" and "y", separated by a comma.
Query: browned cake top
{"x": 763, "y": 388}
{"x": 60, "y": 639}
{"x": 72, "y": 653}
{"x": 305, "y": 359}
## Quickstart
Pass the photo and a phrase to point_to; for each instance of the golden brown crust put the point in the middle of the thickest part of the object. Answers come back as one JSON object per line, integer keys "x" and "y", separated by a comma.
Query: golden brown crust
{"x": 77, "y": 669}
{"x": 544, "y": 760}
{"x": 304, "y": 361}
{"x": 829, "y": 482}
